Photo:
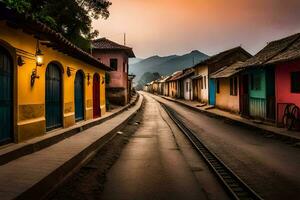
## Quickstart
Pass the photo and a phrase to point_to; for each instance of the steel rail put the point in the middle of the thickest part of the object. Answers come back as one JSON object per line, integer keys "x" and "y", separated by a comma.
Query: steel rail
{"x": 235, "y": 187}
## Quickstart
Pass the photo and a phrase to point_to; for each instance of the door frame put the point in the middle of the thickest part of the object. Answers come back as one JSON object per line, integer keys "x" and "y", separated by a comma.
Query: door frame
{"x": 61, "y": 69}
{"x": 83, "y": 95}
{"x": 13, "y": 54}
{"x": 94, "y": 115}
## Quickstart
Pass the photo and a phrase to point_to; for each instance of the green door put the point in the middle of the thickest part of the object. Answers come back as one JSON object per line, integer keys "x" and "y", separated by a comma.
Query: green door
{"x": 79, "y": 96}
{"x": 53, "y": 97}
{"x": 6, "y": 96}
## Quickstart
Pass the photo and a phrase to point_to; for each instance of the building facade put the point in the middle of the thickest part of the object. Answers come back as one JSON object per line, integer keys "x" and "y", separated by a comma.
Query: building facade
{"x": 228, "y": 87}
{"x": 46, "y": 83}
{"x": 116, "y": 56}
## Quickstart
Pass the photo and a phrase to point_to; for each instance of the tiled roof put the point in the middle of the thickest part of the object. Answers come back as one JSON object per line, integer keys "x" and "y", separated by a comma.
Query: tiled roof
{"x": 220, "y": 56}
{"x": 106, "y": 44}
{"x": 175, "y": 75}
{"x": 226, "y": 72}
{"x": 276, "y": 51}
{"x": 186, "y": 73}
{"x": 41, "y": 31}
{"x": 290, "y": 53}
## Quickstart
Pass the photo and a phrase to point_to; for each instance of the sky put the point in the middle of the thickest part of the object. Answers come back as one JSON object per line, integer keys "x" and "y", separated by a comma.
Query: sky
{"x": 168, "y": 27}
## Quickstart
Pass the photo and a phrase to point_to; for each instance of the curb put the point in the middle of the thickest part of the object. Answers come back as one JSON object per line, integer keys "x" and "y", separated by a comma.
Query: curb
{"x": 238, "y": 123}
{"x": 39, "y": 145}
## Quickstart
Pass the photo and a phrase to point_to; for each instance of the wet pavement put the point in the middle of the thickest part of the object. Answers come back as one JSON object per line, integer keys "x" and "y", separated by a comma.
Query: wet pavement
{"x": 269, "y": 166}
{"x": 151, "y": 166}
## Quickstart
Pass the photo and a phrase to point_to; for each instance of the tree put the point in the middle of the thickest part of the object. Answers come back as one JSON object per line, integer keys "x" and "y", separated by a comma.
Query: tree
{"x": 72, "y": 18}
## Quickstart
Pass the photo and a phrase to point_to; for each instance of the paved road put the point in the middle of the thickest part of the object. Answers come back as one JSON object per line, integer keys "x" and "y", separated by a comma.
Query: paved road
{"x": 151, "y": 165}
{"x": 269, "y": 166}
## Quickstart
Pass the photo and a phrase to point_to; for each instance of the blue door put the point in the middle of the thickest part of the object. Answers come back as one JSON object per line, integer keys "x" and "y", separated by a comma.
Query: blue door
{"x": 53, "y": 97}
{"x": 212, "y": 92}
{"x": 79, "y": 96}
{"x": 6, "y": 100}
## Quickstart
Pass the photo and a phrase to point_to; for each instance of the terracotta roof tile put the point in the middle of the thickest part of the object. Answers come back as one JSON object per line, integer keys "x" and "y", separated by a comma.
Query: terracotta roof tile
{"x": 106, "y": 44}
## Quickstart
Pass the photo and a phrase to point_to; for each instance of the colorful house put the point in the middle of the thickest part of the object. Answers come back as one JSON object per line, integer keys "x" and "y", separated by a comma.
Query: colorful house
{"x": 273, "y": 76}
{"x": 116, "y": 56}
{"x": 46, "y": 81}
{"x": 185, "y": 84}
{"x": 166, "y": 86}
{"x": 227, "y": 87}
{"x": 161, "y": 85}
{"x": 173, "y": 84}
{"x": 204, "y": 87}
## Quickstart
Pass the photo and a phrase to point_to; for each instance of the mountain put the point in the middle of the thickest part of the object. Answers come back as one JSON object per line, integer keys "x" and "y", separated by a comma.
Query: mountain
{"x": 147, "y": 78}
{"x": 134, "y": 60}
{"x": 166, "y": 65}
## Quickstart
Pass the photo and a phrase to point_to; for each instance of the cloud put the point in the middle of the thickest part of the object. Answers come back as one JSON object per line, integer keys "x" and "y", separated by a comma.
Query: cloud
{"x": 177, "y": 26}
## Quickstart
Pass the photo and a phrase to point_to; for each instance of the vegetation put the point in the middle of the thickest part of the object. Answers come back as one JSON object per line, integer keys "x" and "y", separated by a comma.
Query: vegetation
{"x": 72, "y": 18}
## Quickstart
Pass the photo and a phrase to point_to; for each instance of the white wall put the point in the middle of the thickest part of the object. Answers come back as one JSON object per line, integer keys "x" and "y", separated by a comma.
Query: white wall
{"x": 188, "y": 91}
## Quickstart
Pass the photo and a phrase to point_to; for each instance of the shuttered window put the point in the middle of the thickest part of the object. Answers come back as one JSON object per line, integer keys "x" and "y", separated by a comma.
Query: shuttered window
{"x": 114, "y": 64}
{"x": 295, "y": 82}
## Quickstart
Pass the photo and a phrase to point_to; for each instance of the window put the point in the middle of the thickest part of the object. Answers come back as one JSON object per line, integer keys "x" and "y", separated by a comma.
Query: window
{"x": 204, "y": 82}
{"x": 255, "y": 82}
{"x": 295, "y": 82}
{"x": 218, "y": 86}
{"x": 114, "y": 64}
{"x": 233, "y": 86}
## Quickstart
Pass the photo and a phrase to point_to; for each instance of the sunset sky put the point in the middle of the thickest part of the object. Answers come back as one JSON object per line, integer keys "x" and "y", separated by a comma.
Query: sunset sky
{"x": 164, "y": 27}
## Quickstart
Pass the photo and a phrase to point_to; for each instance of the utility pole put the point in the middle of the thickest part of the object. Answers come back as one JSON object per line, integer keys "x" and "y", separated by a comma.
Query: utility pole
{"x": 124, "y": 39}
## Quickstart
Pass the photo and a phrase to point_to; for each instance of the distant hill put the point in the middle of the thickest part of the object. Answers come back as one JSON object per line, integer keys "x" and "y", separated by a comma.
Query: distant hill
{"x": 134, "y": 60}
{"x": 147, "y": 78}
{"x": 166, "y": 65}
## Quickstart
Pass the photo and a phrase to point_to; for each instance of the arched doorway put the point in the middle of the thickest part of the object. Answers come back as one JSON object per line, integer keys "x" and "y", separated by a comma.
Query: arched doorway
{"x": 6, "y": 96}
{"x": 79, "y": 96}
{"x": 53, "y": 97}
{"x": 96, "y": 96}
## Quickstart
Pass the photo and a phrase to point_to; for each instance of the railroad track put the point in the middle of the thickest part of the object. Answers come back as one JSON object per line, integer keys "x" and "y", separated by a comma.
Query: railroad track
{"x": 235, "y": 187}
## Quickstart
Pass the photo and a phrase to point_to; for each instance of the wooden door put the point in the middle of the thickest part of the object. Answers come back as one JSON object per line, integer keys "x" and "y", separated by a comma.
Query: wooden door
{"x": 79, "y": 96}
{"x": 244, "y": 95}
{"x": 96, "y": 96}
{"x": 212, "y": 91}
{"x": 270, "y": 93}
{"x": 6, "y": 97}
{"x": 53, "y": 97}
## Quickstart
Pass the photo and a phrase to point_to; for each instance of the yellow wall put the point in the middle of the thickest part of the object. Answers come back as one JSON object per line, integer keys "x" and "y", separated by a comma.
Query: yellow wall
{"x": 224, "y": 100}
{"x": 30, "y": 101}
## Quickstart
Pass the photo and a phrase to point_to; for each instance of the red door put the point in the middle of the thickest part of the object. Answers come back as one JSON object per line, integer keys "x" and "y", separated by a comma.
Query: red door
{"x": 96, "y": 96}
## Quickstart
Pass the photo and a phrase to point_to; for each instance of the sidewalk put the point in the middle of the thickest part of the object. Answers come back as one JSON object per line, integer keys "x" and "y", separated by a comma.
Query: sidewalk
{"x": 13, "y": 151}
{"x": 294, "y": 136}
{"x": 34, "y": 175}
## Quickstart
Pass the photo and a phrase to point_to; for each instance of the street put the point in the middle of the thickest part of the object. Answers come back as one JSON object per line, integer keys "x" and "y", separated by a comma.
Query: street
{"x": 269, "y": 166}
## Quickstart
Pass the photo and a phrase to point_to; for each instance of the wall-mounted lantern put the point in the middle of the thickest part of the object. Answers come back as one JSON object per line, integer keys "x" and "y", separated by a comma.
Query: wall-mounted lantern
{"x": 88, "y": 79}
{"x": 33, "y": 76}
{"x": 20, "y": 61}
{"x": 69, "y": 73}
{"x": 39, "y": 58}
